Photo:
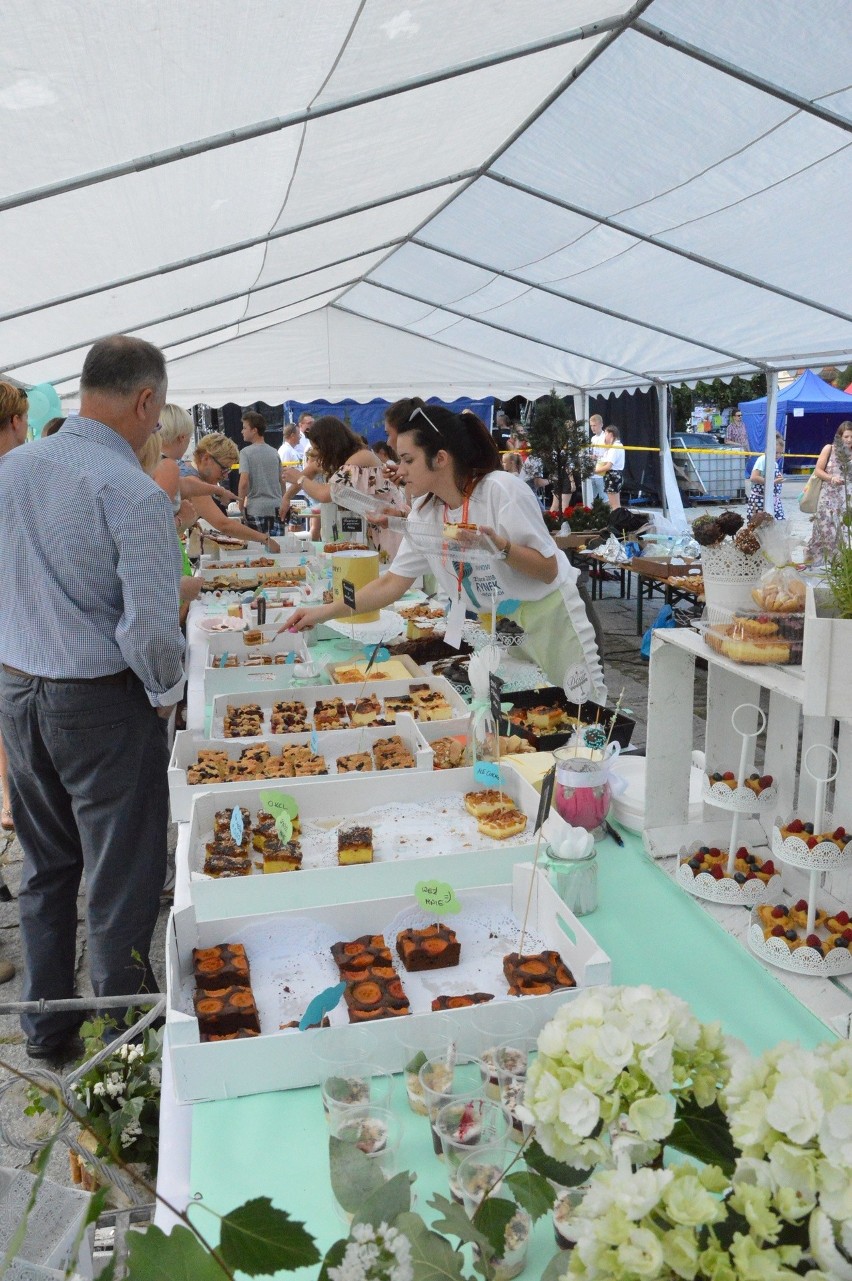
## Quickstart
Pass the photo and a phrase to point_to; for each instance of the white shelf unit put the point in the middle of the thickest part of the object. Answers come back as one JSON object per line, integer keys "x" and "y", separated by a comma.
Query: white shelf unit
{"x": 779, "y": 691}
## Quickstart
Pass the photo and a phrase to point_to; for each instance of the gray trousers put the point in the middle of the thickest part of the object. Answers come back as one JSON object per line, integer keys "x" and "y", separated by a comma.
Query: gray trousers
{"x": 87, "y": 765}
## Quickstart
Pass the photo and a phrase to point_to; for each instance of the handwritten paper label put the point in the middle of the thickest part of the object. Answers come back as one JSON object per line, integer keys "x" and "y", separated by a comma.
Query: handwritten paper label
{"x": 378, "y": 654}
{"x": 455, "y": 623}
{"x": 348, "y": 589}
{"x": 547, "y": 785}
{"x": 488, "y": 773}
{"x": 577, "y": 684}
{"x": 314, "y": 742}
{"x": 323, "y": 1003}
{"x": 237, "y": 825}
{"x": 276, "y": 803}
{"x": 495, "y": 692}
{"x": 436, "y": 897}
{"x": 284, "y": 827}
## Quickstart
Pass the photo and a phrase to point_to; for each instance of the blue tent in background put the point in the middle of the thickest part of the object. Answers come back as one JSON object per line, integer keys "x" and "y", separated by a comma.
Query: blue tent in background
{"x": 808, "y": 413}
{"x": 369, "y": 420}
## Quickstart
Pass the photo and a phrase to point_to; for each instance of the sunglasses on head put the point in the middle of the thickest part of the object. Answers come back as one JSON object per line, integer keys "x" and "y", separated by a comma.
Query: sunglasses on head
{"x": 417, "y": 410}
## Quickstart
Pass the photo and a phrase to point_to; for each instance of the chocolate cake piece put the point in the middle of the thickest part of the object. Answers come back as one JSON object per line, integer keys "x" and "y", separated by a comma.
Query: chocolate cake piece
{"x": 224, "y": 865}
{"x": 281, "y": 857}
{"x": 372, "y": 997}
{"x": 243, "y": 1033}
{"x": 536, "y": 973}
{"x": 368, "y": 955}
{"x": 229, "y": 1009}
{"x": 433, "y": 948}
{"x": 222, "y": 823}
{"x": 354, "y": 845}
{"x": 225, "y": 965}
{"x": 462, "y": 1001}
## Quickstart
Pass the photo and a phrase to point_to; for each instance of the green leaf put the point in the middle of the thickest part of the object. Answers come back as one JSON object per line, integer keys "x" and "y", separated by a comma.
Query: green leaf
{"x": 703, "y": 1133}
{"x": 333, "y": 1258}
{"x": 565, "y": 1175}
{"x": 415, "y": 1064}
{"x": 455, "y": 1222}
{"x": 492, "y": 1218}
{"x": 258, "y": 1239}
{"x": 531, "y": 1191}
{"x": 556, "y": 1268}
{"x": 107, "y": 1273}
{"x": 387, "y": 1202}
{"x": 354, "y": 1177}
{"x": 432, "y": 1256}
{"x": 180, "y": 1256}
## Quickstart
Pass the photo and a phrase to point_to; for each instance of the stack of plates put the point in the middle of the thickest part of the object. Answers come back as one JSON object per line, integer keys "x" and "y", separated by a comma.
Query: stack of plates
{"x": 629, "y": 808}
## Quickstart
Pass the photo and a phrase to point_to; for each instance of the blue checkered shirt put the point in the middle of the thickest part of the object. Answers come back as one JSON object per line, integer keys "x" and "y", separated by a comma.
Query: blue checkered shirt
{"x": 91, "y": 565}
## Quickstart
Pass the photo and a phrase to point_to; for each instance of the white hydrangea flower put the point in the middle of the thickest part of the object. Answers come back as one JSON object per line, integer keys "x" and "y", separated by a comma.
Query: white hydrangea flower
{"x": 375, "y": 1254}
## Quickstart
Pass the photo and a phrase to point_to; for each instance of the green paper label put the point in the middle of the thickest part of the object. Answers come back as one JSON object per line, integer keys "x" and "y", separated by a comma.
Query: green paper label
{"x": 276, "y": 803}
{"x": 436, "y": 897}
{"x": 284, "y": 827}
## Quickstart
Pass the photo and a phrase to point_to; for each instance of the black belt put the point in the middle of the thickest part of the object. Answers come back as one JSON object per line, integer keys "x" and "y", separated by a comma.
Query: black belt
{"x": 115, "y": 678}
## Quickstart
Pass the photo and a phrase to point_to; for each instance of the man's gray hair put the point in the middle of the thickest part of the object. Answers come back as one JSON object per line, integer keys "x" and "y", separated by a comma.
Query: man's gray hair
{"x": 121, "y": 365}
{"x": 291, "y": 429}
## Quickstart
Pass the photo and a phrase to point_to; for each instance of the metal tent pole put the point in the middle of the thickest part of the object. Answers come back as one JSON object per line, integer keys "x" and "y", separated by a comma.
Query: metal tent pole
{"x": 769, "y": 447}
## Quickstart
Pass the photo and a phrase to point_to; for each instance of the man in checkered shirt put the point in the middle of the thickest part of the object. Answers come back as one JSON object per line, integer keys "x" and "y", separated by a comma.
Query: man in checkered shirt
{"x": 92, "y": 663}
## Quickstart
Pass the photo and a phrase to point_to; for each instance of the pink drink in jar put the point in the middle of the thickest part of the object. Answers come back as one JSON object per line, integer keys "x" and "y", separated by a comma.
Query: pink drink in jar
{"x": 582, "y": 796}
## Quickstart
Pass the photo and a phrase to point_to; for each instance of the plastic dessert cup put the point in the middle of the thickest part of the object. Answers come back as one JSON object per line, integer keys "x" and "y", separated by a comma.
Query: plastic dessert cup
{"x": 482, "y": 1172}
{"x": 420, "y": 1044}
{"x": 445, "y": 1080}
{"x": 463, "y": 1125}
{"x": 377, "y": 1133}
{"x": 357, "y": 1084}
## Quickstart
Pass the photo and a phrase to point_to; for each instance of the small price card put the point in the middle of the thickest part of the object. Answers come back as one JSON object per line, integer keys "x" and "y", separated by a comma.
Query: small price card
{"x": 378, "y": 655}
{"x": 438, "y": 898}
{"x": 488, "y": 773}
{"x": 577, "y": 684}
{"x": 276, "y": 803}
{"x": 547, "y": 785}
{"x": 348, "y": 593}
{"x": 323, "y": 1003}
{"x": 284, "y": 827}
{"x": 314, "y": 742}
{"x": 237, "y": 827}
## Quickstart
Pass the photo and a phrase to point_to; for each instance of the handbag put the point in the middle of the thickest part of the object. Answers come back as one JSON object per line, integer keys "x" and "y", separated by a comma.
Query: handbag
{"x": 809, "y": 497}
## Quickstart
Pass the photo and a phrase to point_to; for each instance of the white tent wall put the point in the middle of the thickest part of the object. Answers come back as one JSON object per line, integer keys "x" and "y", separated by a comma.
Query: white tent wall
{"x": 371, "y": 198}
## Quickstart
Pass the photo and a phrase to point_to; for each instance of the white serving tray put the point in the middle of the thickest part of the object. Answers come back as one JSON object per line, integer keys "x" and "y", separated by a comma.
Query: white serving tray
{"x": 324, "y": 803}
{"x": 236, "y": 680}
{"x": 349, "y": 693}
{"x": 286, "y": 1059}
{"x": 332, "y": 743}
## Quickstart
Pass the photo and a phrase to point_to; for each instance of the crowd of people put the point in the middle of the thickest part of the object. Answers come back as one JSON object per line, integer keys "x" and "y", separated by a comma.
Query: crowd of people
{"x": 92, "y": 516}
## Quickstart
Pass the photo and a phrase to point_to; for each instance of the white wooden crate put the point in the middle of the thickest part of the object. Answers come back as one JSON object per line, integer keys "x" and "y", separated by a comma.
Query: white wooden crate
{"x": 276, "y": 675}
{"x": 331, "y": 744}
{"x": 285, "y": 1059}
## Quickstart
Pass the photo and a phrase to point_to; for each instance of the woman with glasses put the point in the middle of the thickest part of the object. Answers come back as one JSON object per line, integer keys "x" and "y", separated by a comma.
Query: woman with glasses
{"x": 453, "y": 475}
{"x": 214, "y": 457}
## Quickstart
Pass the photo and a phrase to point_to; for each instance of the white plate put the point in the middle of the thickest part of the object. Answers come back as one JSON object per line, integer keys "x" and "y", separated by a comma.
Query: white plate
{"x": 387, "y": 627}
{"x": 222, "y": 623}
{"x": 629, "y": 807}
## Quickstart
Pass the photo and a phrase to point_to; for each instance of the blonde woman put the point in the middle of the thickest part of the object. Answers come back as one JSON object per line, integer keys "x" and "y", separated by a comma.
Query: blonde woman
{"x": 214, "y": 457}
{"x": 172, "y": 473}
{"x": 185, "y": 517}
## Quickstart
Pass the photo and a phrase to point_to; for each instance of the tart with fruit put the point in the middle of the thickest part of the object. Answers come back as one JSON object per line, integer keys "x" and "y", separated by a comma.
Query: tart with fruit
{"x": 839, "y": 837}
{"x": 757, "y": 783}
{"x": 747, "y": 866}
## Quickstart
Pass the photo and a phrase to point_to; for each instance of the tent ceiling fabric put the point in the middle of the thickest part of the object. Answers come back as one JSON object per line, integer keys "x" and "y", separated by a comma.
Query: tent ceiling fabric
{"x": 450, "y": 199}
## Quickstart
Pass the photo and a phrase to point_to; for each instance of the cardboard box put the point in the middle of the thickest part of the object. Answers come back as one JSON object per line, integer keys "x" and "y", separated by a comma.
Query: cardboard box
{"x": 349, "y": 693}
{"x": 332, "y": 743}
{"x": 661, "y": 568}
{"x": 285, "y": 1060}
{"x": 581, "y": 539}
{"x": 349, "y": 797}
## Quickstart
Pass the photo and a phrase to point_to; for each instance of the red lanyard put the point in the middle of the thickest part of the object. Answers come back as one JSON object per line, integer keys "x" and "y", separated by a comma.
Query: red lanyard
{"x": 464, "y": 515}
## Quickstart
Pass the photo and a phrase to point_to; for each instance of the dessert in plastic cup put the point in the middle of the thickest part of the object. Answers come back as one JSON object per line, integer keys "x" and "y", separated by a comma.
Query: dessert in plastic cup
{"x": 376, "y": 1132}
{"x": 464, "y": 1124}
{"x": 354, "y": 1085}
{"x": 420, "y": 1043}
{"x": 481, "y": 1173}
{"x": 445, "y": 1079}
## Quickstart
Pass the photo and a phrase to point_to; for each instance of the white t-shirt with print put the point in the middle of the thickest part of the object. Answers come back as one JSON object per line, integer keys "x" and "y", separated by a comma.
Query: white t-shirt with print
{"x": 505, "y": 504}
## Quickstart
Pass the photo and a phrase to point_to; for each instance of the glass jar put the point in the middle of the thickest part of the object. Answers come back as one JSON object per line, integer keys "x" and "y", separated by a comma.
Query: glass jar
{"x": 576, "y": 882}
{"x": 582, "y": 795}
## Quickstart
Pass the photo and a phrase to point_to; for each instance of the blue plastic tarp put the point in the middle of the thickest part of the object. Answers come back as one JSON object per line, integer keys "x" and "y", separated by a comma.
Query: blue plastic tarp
{"x": 369, "y": 419}
{"x": 822, "y": 408}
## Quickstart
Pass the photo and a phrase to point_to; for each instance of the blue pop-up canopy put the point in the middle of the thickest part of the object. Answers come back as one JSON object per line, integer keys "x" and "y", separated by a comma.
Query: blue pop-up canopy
{"x": 369, "y": 419}
{"x": 807, "y": 414}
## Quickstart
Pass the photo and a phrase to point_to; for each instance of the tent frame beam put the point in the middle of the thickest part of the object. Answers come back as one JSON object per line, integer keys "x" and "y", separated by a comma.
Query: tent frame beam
{"x": 503, "y": 329}
{"x": 204, "y": 306}
{"x": 212, "y": 254}
{"x": 792, "y": 99}
{"x": 276, "y": 124}
{"x": 733, "y": 272}
{"x": 583, "y": 302}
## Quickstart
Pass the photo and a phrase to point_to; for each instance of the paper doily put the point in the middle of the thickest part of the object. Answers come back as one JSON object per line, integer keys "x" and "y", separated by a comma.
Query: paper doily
{"x": 742, "y": 800}
{"x": 387, "y": 626}
{"x": 804, "y": 960}
{"x": 824, "y": 857}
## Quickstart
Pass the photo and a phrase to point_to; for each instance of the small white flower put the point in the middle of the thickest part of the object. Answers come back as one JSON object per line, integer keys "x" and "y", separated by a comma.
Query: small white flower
{"x": 579, "y": 1110}
{"x": 796, "y": 1109}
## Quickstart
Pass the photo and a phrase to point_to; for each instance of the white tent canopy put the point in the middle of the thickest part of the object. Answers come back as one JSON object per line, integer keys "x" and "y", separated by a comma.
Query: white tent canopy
{"x": 371, "y": 198}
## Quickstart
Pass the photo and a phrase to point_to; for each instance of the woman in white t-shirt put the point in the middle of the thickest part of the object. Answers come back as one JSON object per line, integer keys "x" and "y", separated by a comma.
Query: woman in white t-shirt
{"x": 451, "y": 468}
{"x": 610, "y": 465}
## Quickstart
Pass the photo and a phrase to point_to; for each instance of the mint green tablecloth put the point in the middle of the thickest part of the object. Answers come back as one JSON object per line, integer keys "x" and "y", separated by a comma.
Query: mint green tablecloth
{"x": 276, "y": 1144}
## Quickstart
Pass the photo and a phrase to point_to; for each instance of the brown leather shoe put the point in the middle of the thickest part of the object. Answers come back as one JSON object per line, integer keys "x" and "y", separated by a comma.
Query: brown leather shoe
{"x": 7, "y": 971}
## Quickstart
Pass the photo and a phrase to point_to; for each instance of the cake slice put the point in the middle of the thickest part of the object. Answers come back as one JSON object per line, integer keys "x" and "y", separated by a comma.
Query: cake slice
{"x": 355, "y": 762}
{"x": 486, "y": 802}
{"x": 228, "y": 1010}
{"x": 462, "y": 1001}
{"x": 225, "y": 965}
{"x": 435, "y": 947}
{"x": 536, "y": 973}
{"x": 501, "y": 824}
{"x": 364, "y": 711}
{"x": 354, "y": 845}
{"x": 448, "y": 753}
{"x": 280, "y": 857}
